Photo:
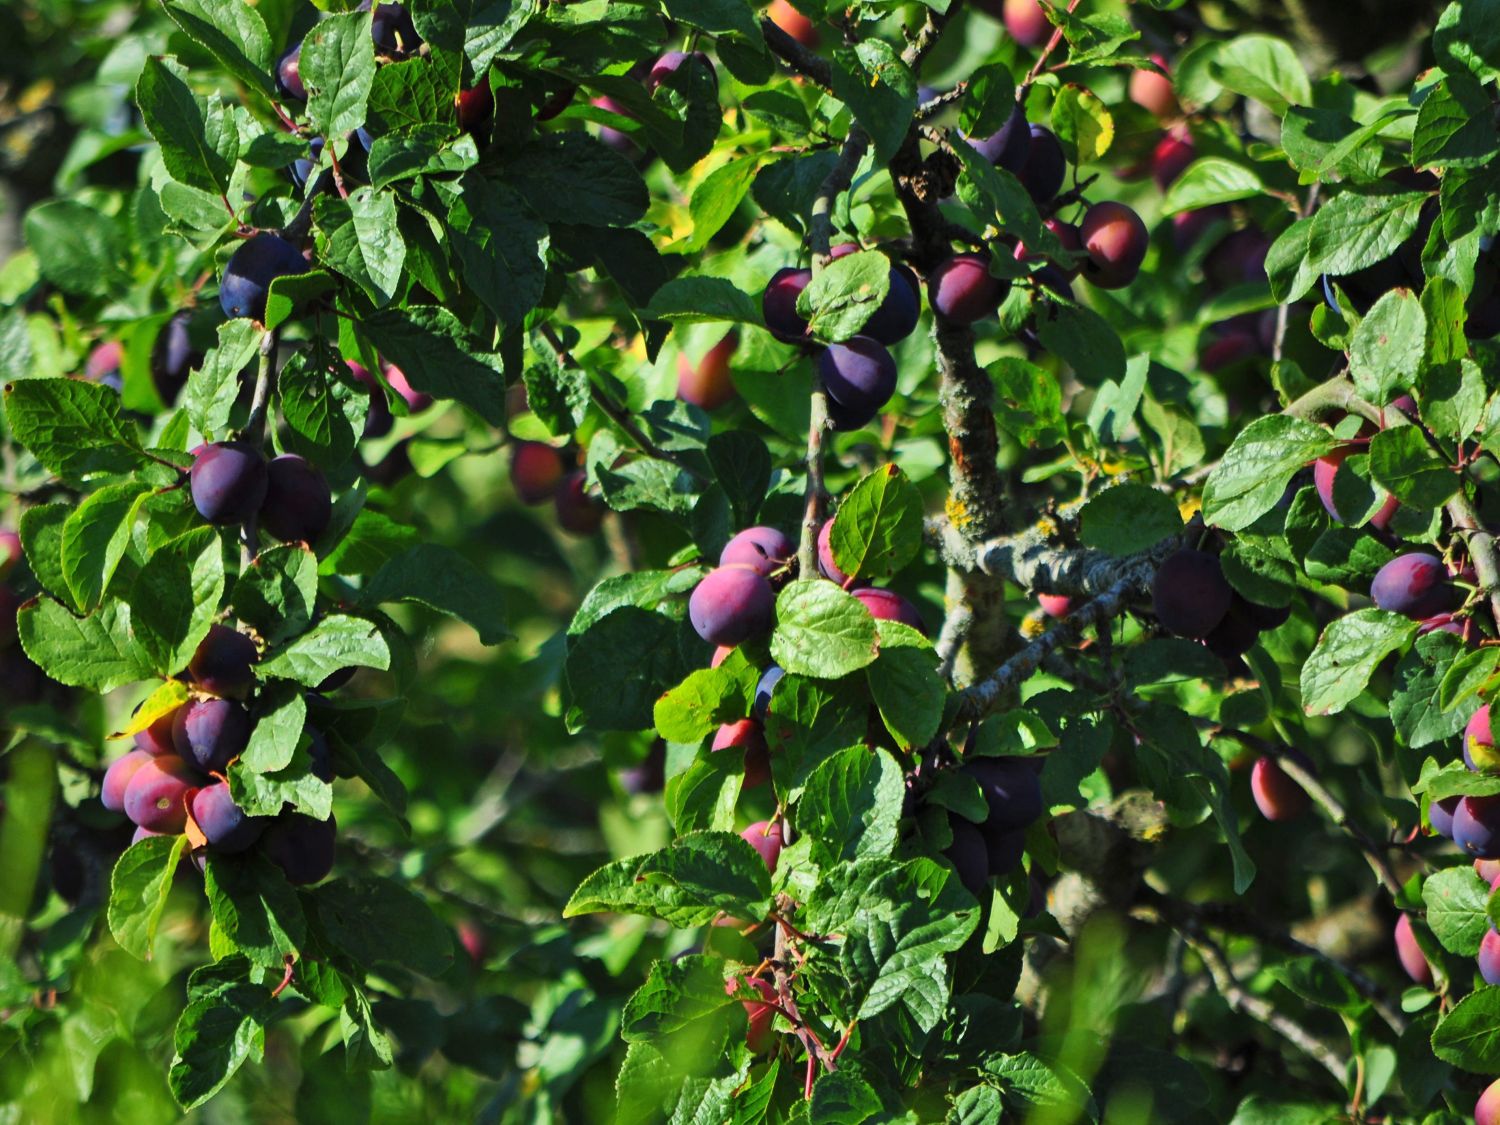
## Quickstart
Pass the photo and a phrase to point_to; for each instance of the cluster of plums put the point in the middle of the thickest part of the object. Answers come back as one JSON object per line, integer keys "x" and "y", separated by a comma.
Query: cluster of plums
{"x": 993, "y": 846}
{"x": 1191, "y": 598}
{"x": 538, "y": 474}
{"x": 175, "y": 775}
{"x": 231, "y": 482}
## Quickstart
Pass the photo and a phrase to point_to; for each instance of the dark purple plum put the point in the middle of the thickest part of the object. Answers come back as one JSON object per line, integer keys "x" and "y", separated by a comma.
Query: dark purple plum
{"x": 474, "y": 105}
{"x": 298, "y": 502}
{"x": 860, "y": 377}
{"x": 577, "y": 511}
{"x": 1267, "y": 617}
{"x": 749, "y": 736}
{"x": 1415, "y": 585}
{"x": 536, "y": 469}
{"x": 289, "y": 75}
{"x": 302, "y": 168}
{"x": 732, "y": 604}
{"x": 1235, "y": 634}
{"x": 227, "y": 481}
{"x": 1410, "y": 954}
{"x": 1011, "y": 789}
{"x": 1045, "y": 168}
{"x": 968, "y": 854}
{"x": 211, "y": 733}
{"x": 764, "y": 689}
{"x": 765, "y": 837}
{"x": 1440, "y": 816}
{"x": 222, "y": 822}
{"x": 392, "y": 29}
{"x": 673, "y": 61}
{"x": 1007, "y": 147}
{"x": 173, "y": 357}
{"x": 963, "y": 290}
{"x": 1476, "y": 826}
{"x": 117, "y": 778}
{"x": 321, "y": 754}
{"x": 156, "y": 797}
{"x": 251, "y": 269}
{"x": 156, "y": 739}
{"x": 1238, "y": 259}
{"x": 763, "y": 549}
{"x": 648, "y": 775}
{"x": 1190, "y": 593}
{"x": 223, "y": 663}
{"x": 1277, "y": 796}
{"x": 778, "y": 304}
{"x": 896, "y": 317}
{"x": 1003, "y": 848}
{"x": 887, "y": 605}
{"x": 1116, "y": 241}
{"x": 301, "y": 846}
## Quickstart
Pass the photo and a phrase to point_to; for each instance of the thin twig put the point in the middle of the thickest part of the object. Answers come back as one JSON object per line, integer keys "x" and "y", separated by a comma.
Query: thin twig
{"x": 1041, "y": 61}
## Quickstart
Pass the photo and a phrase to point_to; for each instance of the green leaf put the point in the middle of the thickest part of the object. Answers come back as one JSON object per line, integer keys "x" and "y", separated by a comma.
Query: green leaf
{"x": 1358, "y": 228}
{"x": 716, "y": 199}
{"x": 334, "y": 643}
{"x": 72, "y": 427}
{"x": 1255, "y": 469}
{"x": 1083, "y": 339}
{"x": 214, "y": 385}
{"x": 1128, "y": 518}
{"x": 1033, "y": 1083}
{"x": 501, "y": 247}
{"x": 77, "y": 248}
{"x": 843, "y": 295}
{"x": 233, "y": 32}
{"x": 1404, "y": 464}
{"x": 1467, "y": 38}
{"x": 95, "y": 537}
{"x": 41, "y": 530}
{"x": 878, "y": 529}
{"x": 438, "y": 356}
{"x": 322, "y": 407}
{"x": 1387, "y": 351}
{"x": 907, "y": 689}
{"x": 708, "y": 698}
{"x": 702, "y": 797}
{"x": 198, "y": 136}
{"x": 175, "y": 598}
{"x": 1455, "y": 899}
{"x": 1288, "y": 268}
{"x": 1264, "y": 68}
{"x": 138, "y": 888}
{"x": 379, "y": 922}
{"x": 255, "y": 907}
{"x": 676, "y": 996}
{"x": 1455, "y": 126}
{"x": 96, "y": 652}
{"x": 358, "y": 237}
{"x": 574, "y": 178}
{"x": 1209, "y": 181}
{"x": 221, "y": 1028}
{"x": 616, "y": 694}
{"x": 692, "y": 300}
{"x": 1083, "y": 124}
{"x": 280, "y": 714}
{"x": 1028, "y": 403}
{"x": 989, "y": 100}
{"x": 1466, "y": 676}
{"x": 821, "y": 631}
{"x": 266, "y": 794}
{"x": 645, "y": 589}
{"x": 1469, "y": 1036}
{"x": 688, "y": 883}
{"x": 338, "y": 69}
{"x": 442, "y": 579}
{"x": 742, "y": 465}
{"x": 879, "y": 88}
{"x": 851, "y": 805}
{"x": 1346, "y": 657}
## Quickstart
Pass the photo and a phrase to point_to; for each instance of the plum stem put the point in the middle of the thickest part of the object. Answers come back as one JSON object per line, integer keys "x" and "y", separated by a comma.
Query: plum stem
{"x": 1041, "y": 61}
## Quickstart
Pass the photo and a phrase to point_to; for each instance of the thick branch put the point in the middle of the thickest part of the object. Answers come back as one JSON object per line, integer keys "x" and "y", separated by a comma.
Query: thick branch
{"x": 1337, "y": 394}
{"x": 795, "y": 55}
{"x": 1483, "y": 549}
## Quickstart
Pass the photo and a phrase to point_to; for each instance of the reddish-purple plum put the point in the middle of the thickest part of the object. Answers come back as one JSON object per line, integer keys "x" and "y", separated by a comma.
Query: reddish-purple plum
{"x": 1116, "y": 240}
{"x": 1171, "y": 157}
{"x": 536, "y": 469}
{"x": 1410, "y": 954}
{"x": 298, "y": 502}
{"x": 289, "y": 75}
{"x": 227, "y": 481}
{"x": 887, "y": 605}
{"x": 1276, "y": 795}
{"x": 825, "y": 554}
{"x": 1479, "y": 742}
{"x": 223, "y": 663}
{"x": 860, "y": 377}
{"x": 157, "y": 738}
{"x": 963, "y": 290}
{"x": 778, "y": 304}
{"x": 1011, "y": 789}
{"x": 144, "y": 833}
{"x": 616, "y": 139}
{"x": 1486, "y": 869}
{"x": 10, "y": 552}
{"x": 749, "y": 736}
{"x": 765, "y": 837}
{"x": 392, "y": 29}
{"x": 732, "y": 604}
{"x": 103, "y": 365}
{"x": 222, "y": 822}
{"x": 1238, "y": 259}
{"x": 416, "y": 401}
{"x": 1006, "y": 147}
{"x": 117, "y": 778}
{"x": 795, "y": 24}
{"x": 673, "y": 61}
{"x": 968, "y": 854}
{"x": 1325, "y": 473}
{"x": 1415, "y": 585}
{"x": 474, "y": 106}
{"x": 1153, "y": 92}
{"x": 1027, "y": 22}
{"x": 578, "y": 512}
{"x": 1190, "y": 594}
{"x": 1489, "y": 956}
{"x": 378, "y": 417}
{"x": 709, "y": 382}
{"x": 1045, "y": 167}
{"x": 760, "y": 1035}
{"x": 251, "y": 269}
{"x": 156, "y": 797}
{"x": 1487, "y": 1108}
{"x": 211, "y": 733}
{"x": 1476, "y": 826}
{"x": 1054, "y": 605}
{"x": 301, "y": 846}
{"x": 763, "y": 549}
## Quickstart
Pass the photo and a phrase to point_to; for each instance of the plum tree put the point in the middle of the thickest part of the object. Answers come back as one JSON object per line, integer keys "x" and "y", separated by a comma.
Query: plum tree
{"x": 156, "y": 795}
{"x": 778, "y": 304}
{"x": 1276, "y": 795}
{"x": 731, "y": 604}
{"x": 222, "y": 822}
{"x": 765, "y": 837}
{"x": 1476, "y": 826}
{"x": 1415, "y": 585}
{"x": 211, "y": 733}
{"x": 223, "y": 663}
{"x": 228, "y": 481}
{"x": 887, "y": 605}
{"x": 764, "y": 549}
{"x": 963, "y": 290}
{"x": 298, "y": 503}
{"x": 709, "y": 382}
{"x": 302, "y": 846}
{"x": 117, "y": 778}
{"x": 1410, "y": 954}
{"x": 1190, "y": 594}
{"x": 860, "y": 377}
{"x": 250, "y": 271}
{"x": 577, "y": 511}
{"x": 536, "y": 470}
{"x": 1116, "y": 241}
{"x": 748, "y": 736}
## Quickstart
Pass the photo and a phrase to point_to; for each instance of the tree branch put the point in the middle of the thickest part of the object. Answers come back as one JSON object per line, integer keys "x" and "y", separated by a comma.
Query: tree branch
{"x": 796, "y": 56}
